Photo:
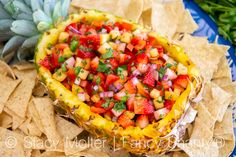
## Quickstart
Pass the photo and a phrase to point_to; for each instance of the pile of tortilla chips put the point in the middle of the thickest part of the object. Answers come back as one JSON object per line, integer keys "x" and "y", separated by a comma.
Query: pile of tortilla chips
{"x": 31, "y": 125}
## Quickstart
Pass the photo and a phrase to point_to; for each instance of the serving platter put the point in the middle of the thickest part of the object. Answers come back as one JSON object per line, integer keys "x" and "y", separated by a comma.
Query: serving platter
{"x": 207, "y": 28}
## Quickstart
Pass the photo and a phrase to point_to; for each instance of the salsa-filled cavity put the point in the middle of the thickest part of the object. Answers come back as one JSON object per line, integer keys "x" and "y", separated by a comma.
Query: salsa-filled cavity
{"x": 121, "y": 72}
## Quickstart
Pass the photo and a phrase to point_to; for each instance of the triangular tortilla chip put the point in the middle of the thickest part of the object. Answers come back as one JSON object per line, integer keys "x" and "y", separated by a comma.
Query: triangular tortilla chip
{"x": 5, "y": 120}
{"x": 5, "y": 69}
{"x": 24, "y": 65}
{"x": 205, "y": 116}
{"x": 227, "y": 148}
{"x": 7, "y": 87}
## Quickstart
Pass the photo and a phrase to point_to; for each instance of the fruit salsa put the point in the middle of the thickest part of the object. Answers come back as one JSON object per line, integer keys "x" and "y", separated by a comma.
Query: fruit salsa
{"x": 122, "y": 73}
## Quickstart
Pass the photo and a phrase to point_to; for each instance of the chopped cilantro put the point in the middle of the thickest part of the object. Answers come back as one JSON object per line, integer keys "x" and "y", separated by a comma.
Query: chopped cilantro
{"x": 106, "y": 104}
{"x": 102, "y": 67}
{"x": 77, "y": 70}
{"x": 161, "y": 72}
{"x": 140, "y": 51}
{"x": 168, "y": 65}
{"x": 49, "y": 46}
{"x": 83, "y": 48}
{"x": 61, "y": 59}
{"x": 63, "y": 67}
{"x": 84, "y": 62}
{"x": 90, "y": 77}
{"x": 119, "y": 106}
{"x": 120, "y": 70}
{"x": 159, "y": 99}
{"x": 98, "y": 80}
{"x": 108, "y": 54}
{"x": 125, "y": 98}
{"x": 73, "y": 45}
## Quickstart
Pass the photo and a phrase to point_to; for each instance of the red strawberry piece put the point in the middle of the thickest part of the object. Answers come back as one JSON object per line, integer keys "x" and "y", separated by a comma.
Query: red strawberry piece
{"x": 97, "y": 110}
{"x": 182, "y": 81}
{"x": 142, "y": 90}
{"x": 130, "y": 87}
{"x": 71, "y": 75}
{"x": 124, "y": 58}
{"x": 142, "y": 58}
{"x": 99, "y": 104}
{"x": 125, "y": 121}
{"x": 114, "y": 63}
{"x": 45, "y": 63}
{"x": 130, "y": 47}
{"x": 168, "y": 104}
{"x": 119, "y": 95}
{"x": 149, "y": 79}
{"x": 130, "y": 103}
{"x": 54, "y": 61}
{"x": 111, "y": 78}
{"x": 94, "y": 63}
{"x": 142, "y": 121}
{"x": 90, "y": 88}
{"x": 66, "y": 84}
{"x": 142, "y": 106}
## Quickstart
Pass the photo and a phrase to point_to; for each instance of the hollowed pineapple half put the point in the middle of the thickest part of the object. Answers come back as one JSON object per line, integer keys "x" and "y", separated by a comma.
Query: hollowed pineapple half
{"x": 157, "y": 136}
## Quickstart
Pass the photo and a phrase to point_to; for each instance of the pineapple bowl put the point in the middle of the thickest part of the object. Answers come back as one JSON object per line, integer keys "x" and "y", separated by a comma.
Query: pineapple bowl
{"x": 118, "y": 80}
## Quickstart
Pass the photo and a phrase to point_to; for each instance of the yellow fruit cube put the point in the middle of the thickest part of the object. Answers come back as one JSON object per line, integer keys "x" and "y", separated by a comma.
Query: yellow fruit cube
{"x": 181, "y": 69}
{"x": 63, "y": 37}
{"x": 83, "y": 74}
{"x": 77, "y": 89}
{"x": 158, "y": 104}
{"x": 59, "y": 75}
{"x": 170, "y": 95}
{"x": 153, "y": 53}
{"x": 67, "y": 52}
{"x": 126, "y": 37}
{"x": 103, "y": 49}
{"x": 155, "y": 93}
{"x": 104, "y": 38}
{"x": 115, "y": 34}
{"x": 95, "y": 98}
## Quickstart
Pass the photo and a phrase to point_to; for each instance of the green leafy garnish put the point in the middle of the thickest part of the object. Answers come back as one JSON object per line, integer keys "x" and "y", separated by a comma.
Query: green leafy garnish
{"x": 108, "y": 54}
{"x": 161, "y": 72}
{"x": 63, "y": 67}
{"x": 83, "y": 48}
{"x": 73, "y": 45}
{"x": 90, "y": 77}
{"x": 102, "y": 67}
{"x": 168, "y": 65}
{"x": 61, "y": 59}
{"x": 120, "y": 70}
{"x": 98, "y": 80}
{"x": 119, "y": 106}
{"x": 77, "y": 70}
{"x": 106, "y": 104}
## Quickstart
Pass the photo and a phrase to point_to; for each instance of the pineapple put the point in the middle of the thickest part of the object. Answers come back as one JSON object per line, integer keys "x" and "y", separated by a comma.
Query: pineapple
{"x": 22, "y": 22}
{"x": 156, "y": 135}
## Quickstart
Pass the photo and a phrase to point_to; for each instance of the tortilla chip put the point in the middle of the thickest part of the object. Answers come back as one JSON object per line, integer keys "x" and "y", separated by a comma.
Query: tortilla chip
{"x": 46, "y": 114}
{"x": 117, "y": 7}
{"x": 16, "y": 120}
{"x": 5, "y": 69}
{"x": 34, "y": 142}
{"x": 7, "y": 87}
{"x": 24, "y": 65}
{"x": 224, "y": 129}
{"x": 179, "y": 154}
{"x": 67, "y": 129}
{"x": 205, "y": 56}
{"x": 19, "y": 99}
{"x": 121, "y": 152}
{"x": 164, "y": 19}
{"x": 227, "y": 148}
{"x": 90, "y": 153}
{"x": 74, "y": 147}
{"x": 201, "y": 131}
{"x": 147, "y": 4}
{"x": 35, "y": 153}
{"x": 145, "y": 18}
{"x": 205, "y": 116}
{"x": 200, "y": 148}
{"x": 187, "y": 24}
{"x": 39, "y": 89}
{"x": 5, "y": 120}
{"x": 231, "y": 89}
{"x": 26, "y": 74}
{"x": 52, "y": 154}
{"x": 30, "y": 128}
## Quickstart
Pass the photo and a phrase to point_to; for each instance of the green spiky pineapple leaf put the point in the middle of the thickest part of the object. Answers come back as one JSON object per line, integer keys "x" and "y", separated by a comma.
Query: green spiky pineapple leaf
{"x": 22, "y": 22}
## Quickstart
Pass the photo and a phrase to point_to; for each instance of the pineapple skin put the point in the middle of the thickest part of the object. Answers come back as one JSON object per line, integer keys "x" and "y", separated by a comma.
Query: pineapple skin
{"x": 156, "y": 137}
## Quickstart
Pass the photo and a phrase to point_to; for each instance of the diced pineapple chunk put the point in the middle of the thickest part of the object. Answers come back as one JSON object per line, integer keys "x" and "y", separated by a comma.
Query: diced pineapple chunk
{"x": 78, "y": 62}
{"x": 95, "y": 98}
{"x": 113, "y": 45}
{"x": 126, "y": 37}
{"x": 170, "y": 95}
{"x": 115, "y": 34}
{"x": 59, "y": 75}
{"x": 158, "y": 104}
{"x": 181, "y": 69}
{"x": 77, "y": 89}
{"x": 153, "y": 53}
{"x": 83, "y": 74}
{"x": 63, "y": 37}
{"x": 155, "y": 93}
{"x": 104, "y": 38}
{"x": 48, "y": 51}
{"x": 103, "y": 48}
{"x": 87, "y": 97}
{"x": 83, "y": 63}
{"x": 67, "y": 52}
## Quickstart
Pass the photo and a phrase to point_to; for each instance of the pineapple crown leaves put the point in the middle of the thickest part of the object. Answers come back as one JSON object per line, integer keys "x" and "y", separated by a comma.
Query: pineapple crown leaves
{"x": 22, "y": 21}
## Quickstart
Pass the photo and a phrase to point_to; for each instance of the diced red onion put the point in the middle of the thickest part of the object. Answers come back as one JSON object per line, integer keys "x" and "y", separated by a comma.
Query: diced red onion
{"x": 77, "y": 81}
{"x": 165, "y": 57}
{"x": 95, "y": 87}
{"x": 72, "y": 29}
{"x": 171, "y": 74}
{"x": 83, "y": 83}
{"x": 143, "y": 67}
{"x": 117, "y": 113}
{"x": 70, "y": 62}
{"x": 121, "y": 47}
{"x": 106, "y": 94}
{"x": 117, "y": 41}
{"x": 103, "y": 31}
{"x": 165, "y": 78}
{"x": 119, "y": 86}
{"x": 169, "y": 83}
{"x": 113, "y": 88}
{"x": 153, "y": 66}
{"x": 135, "y": 80}
{"x": 161, "y": 113}
{"x": 136, "y": 72}
{"x": 81, "y": 96}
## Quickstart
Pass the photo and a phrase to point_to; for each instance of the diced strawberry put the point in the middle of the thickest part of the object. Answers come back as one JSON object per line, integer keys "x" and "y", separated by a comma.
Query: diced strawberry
{"x": 130, "y": 103}
{"x": 108, "y": 114}
{"x": 142, "y": 106}
{"x": 175, "y": 86}
{"x": 130, "y": 47}
{"x": 142, "y": 121}
{"x": 151, "y": 40}
{"x": 111, "y": 78}
{"x": 99, "y": 104}
{"x": 45, "y": 63}
{"x": 119, "y": 95}
{"x": 54, "y": 61}
{"x": 117, "y": 113}
{"x": 142, "y": 58}
{"x": 142, "y": 90}
{"x": 182, "y": 81}
{"x": 165, "y": 84}
{"x": 83, "y": 83}
{"x": 141, "y": 44}
{"x": 135, "y": 40}
{"x": 149, "y": 79}
{"x": 114, "y": 63}
{"x": 90, "y": 88}
{"x": 130, "y": 87}
{"x": 66, "y": 84}
{"x": 168, "y": 104}
{"x": 124, "y": 58}
{"x": 125, "y": 121}
{"x": 94, "y": 63}
{"x": 72, "y": 25}
{"x": 61, "y": 46}
{"x": 97, "y": 110}
{"x": 71, "y": 75}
